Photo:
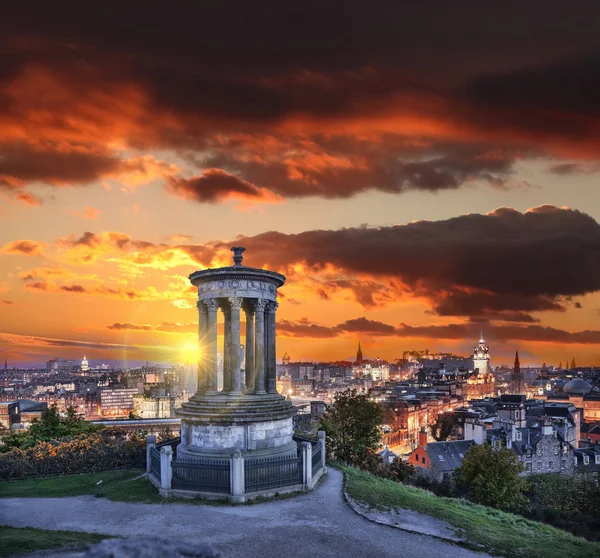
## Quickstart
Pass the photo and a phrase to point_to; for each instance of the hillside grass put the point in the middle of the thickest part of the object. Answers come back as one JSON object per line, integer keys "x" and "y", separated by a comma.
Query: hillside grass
{"x": 23, "y": 540}
{"x": 127, "y": 485}
{"x": 486, "y": 529}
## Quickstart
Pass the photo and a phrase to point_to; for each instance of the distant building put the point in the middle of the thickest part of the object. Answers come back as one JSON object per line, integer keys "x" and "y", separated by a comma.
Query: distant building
{"x": 20, "y": 414}
{"x": 438, "y": 459}
{"x": 285, "y": 385}
{"x": 84, "y": 365}
{"x": 481, "y": 357}
{"x": 154, "y": 407}
{"x": 359, "y": 355}
{"x": 61, "y": 365}
{"x": 516, "y": 378}
{"x": 540, "y": 448}
{"x": 116, "y": 402}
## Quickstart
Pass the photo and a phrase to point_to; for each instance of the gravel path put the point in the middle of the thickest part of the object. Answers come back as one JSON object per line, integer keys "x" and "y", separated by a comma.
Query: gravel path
{"x": 316, "y": 524}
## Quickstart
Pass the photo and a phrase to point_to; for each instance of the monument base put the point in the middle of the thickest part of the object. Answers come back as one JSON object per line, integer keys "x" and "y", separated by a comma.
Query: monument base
{"x": 214, "y": 426}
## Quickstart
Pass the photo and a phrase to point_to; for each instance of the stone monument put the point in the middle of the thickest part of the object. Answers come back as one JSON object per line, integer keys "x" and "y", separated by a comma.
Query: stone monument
{"x": 246, "y": 413}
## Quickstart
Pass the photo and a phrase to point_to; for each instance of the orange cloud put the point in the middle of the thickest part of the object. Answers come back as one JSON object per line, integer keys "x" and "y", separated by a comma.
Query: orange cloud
{"x": 89, "y": 213}
{"x": 28, "y": 198}
{"x": 23, "y": 247}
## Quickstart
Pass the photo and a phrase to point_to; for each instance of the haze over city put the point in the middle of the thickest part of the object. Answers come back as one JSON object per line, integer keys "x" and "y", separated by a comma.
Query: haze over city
{"x": 414, "y": 190}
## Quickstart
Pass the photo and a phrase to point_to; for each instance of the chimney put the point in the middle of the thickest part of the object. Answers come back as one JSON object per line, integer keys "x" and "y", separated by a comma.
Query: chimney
{"x": 423, "y": 437}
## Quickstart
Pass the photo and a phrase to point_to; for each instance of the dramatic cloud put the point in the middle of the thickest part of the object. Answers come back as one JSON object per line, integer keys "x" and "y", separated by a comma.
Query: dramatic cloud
{"x": 23, "y": 247}
{"x": 363, "y": 326}
{"x": 263, "y": 117}
{"x": 499, "y": 266}
{"x": 215, "y": 185}
{"x": 468, "y": 265}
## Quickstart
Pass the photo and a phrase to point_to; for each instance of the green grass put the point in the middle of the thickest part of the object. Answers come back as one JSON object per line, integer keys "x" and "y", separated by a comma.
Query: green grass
{"x": 487, "y": 529}
{"x": 123, "y": 486}
{"x": 24, "y": 540}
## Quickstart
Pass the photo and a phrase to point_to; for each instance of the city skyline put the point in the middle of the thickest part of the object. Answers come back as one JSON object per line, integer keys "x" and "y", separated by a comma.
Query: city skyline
{"x": 413, "y": 190}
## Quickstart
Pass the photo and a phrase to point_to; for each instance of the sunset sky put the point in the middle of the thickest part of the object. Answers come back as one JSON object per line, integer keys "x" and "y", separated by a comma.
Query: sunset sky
{"x": 418, "y": 171}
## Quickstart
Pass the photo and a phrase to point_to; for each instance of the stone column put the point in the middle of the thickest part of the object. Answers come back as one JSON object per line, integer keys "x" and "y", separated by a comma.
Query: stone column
{"x": 321, "y": 435}
{"x": 271, "y": 348}
{"x": 166, "y": 469}
{"x": 235, "y": 383}
{"x": 236, "y": 475}
{"x": 226, "y": 347}
{"x": 250, "y": 369}
{"x": 259, "y": 353}
{"x": 202, "y": 347}
{"x": 211, "y": 346}
{"x": 306, "y": 465}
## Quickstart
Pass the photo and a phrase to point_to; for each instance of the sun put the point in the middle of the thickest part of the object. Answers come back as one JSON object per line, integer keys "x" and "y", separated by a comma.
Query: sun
{"x": 190, "y": 352}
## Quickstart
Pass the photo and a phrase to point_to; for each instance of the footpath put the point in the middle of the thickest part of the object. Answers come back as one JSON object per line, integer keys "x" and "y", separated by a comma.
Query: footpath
{"x": 319, "y": 523}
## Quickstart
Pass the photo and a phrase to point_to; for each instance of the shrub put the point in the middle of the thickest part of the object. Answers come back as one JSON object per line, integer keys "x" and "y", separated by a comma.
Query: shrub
{"x": 110, "y": 448}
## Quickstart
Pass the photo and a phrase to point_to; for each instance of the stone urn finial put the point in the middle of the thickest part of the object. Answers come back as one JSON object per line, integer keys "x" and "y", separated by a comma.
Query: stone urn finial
{"x": 237, "y": 255}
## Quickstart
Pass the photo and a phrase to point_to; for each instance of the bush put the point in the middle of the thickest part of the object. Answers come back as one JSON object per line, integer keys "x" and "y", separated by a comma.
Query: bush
{"x": 110, "y": 448}
{"x": 568, "y": 502}
{"x": 492, "y": 478}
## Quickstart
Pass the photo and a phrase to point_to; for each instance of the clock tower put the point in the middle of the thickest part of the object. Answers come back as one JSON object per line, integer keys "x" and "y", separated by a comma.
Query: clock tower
{"x": 481, "y": 357}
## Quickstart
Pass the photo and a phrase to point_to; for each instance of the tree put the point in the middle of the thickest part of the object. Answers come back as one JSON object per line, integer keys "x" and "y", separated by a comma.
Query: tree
{"x": 491, "y": 477}
{"x": 52, "y": 426}
{"x": 353, "y": 426}
{"x": 442, "y": 428}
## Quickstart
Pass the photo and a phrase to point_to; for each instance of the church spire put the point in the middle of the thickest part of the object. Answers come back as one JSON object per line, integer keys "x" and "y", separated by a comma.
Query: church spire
{"x": 359, "y": 354}
{"x": 516, "y": 378}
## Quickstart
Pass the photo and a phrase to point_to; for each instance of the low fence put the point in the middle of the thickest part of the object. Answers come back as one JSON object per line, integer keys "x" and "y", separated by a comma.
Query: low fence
{"x": 204, "y": 475}
{"x": 269, "y": 473}
{"x": 236, "y": 476}
{"x": 155, "y": 462}
{"x": 317, "y": 458}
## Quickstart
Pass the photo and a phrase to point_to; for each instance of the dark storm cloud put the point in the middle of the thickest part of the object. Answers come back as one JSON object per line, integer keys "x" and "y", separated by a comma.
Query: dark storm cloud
{"x": 344, "y": 167}
{"x": 22, "y": 163}
{"x": 472, "y": 264}
{"x": 517, "y": 76}
{"x": 213, "y": 185}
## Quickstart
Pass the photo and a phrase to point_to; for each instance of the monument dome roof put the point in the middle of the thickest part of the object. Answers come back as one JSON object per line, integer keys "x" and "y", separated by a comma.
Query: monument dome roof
{"x": 577, "y": 385}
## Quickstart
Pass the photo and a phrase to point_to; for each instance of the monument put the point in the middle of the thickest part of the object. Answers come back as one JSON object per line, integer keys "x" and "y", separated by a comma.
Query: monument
{"x": 245, "y": 413}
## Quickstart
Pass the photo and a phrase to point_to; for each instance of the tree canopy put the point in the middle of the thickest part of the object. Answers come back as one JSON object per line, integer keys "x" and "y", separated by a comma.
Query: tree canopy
{"x": 51, "y": 426}
{"x": 353, "y": 426}
{"x": 491, "y": 477}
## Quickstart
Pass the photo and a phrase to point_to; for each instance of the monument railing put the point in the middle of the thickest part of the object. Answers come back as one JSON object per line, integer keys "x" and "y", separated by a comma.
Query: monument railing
{"x": 155, "y": 462}
{"x": 234, "y": 476}
{"x": 268, "y": 473}
{"x": 204, "y": 475}
{"x": 316, "y": 459}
